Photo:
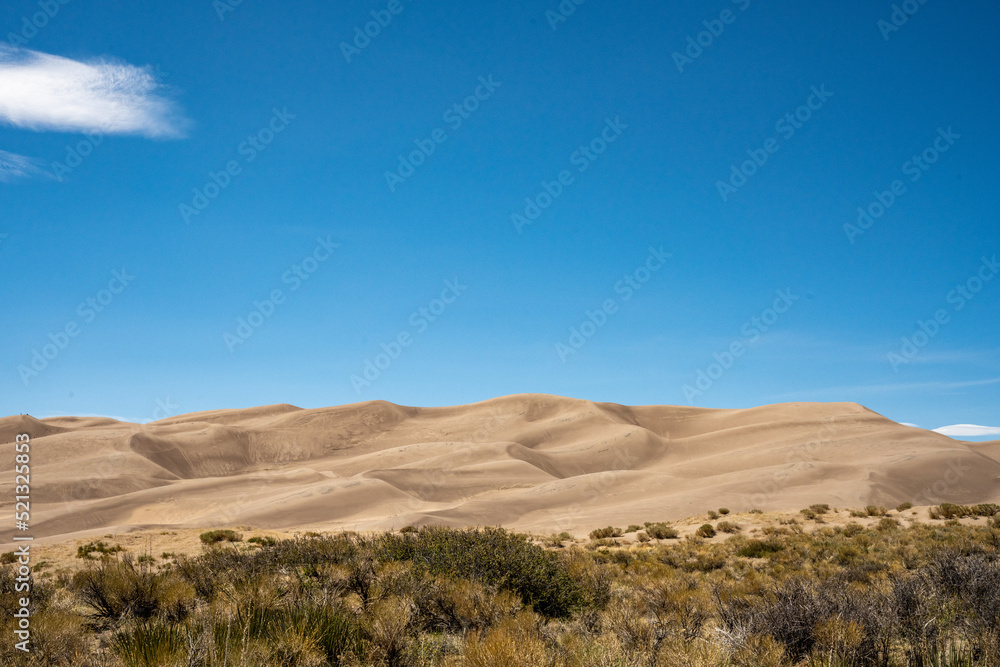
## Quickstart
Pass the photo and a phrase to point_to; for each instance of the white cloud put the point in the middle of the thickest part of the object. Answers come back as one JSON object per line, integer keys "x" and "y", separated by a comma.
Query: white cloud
{"x": 39, "y": 91}
{"x": 968, "y": 430}
{"x": 13, "y": 166}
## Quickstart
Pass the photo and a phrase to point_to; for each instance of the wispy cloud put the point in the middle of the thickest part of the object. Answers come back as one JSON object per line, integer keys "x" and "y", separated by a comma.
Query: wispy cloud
{"x": 838, "y": 393}
{"x": 14, "y": 166}
{"x": 46, "y": 92}
{"x": 958, "y": 430}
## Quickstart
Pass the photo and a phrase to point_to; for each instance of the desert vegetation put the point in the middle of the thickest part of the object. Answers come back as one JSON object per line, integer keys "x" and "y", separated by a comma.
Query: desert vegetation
{"x": 881, "y": 591}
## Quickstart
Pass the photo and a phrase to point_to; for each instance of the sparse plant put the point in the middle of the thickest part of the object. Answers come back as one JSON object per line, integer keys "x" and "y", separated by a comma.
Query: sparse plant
{"x": 661, "y": 531}
{"x": 728, "y": 527}
{"x": 902, "y": 507}
{"x": 723, "y": 510}
{"x": 601, "y": 533}
{"x": 222, "y": 535}
{"x": 705, "y": 530}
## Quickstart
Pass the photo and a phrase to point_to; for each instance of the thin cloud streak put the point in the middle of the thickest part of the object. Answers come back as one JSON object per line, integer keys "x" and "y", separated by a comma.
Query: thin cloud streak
{"x": 886, "y": 388}
{"x": 14, "y": 166}
{"x": 39, "y": 91}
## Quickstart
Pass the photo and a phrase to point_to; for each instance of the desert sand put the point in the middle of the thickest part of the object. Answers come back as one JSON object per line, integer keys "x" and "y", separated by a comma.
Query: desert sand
{"x": 531, "y": 462}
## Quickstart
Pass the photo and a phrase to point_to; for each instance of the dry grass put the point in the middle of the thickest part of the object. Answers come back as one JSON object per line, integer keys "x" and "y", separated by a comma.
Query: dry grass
{"x": 764, "y": 590}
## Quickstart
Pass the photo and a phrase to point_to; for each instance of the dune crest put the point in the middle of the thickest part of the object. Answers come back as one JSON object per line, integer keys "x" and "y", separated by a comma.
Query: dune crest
{"x": 529, "y": 461}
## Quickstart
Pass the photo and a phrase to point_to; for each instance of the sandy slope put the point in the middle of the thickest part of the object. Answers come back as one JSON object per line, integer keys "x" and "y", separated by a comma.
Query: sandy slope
{"x": 535, "y": 462}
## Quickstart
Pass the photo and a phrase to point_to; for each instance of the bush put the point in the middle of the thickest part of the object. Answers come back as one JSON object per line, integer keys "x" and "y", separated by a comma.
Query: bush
{"x": 713, "y": 515}
{"x": 216, "y": 536}
{"x": 820, "y": 508}
{"x": 642, "y": 536}
{"x": 605, "y": 533}
{"x": 148, "y": 643}
{"x": 491, "y": 556}
{"x": 8, "y": 557}
{"x": 116, "y": 589}
{"x": 887, "y": 523}
{"x": 661, "y": 531}
{"x": 760, "y": 548}
{"x": 902, "y": 507}
{"x": 723, "y": 510}
{"x": 808, "y": 513}
{"x": 728, "y": 527}
{"x": 408, "y": 529}
{"x": 633, "y": 528}
{"x": 852, "y": 529}
{"x": 858, "y": 514}
{"x": 875, "y": 510}
{"x": 705, "y": 530}
{"x": 265, "y": 541}
{"x": 101, "y": 547}
{"x": 986, "y": 509}
{"x": 756, "y": 511}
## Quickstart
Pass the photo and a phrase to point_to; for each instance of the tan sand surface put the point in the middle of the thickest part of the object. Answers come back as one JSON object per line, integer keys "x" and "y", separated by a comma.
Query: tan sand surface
{"x": 531, "y": 462}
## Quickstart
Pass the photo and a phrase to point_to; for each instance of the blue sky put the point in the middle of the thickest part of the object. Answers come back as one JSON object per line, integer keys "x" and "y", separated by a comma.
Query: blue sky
{"x": 644, "y": 203}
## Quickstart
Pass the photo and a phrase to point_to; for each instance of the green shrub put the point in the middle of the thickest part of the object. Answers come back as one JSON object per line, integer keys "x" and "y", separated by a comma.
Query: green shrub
{"x": 756, "y": 511}
{"x": 887, "y": 523}
{"x": 820, "y": 508}
{"x": 705, "y": 530}
{"x": 633, "y": 528}
{"x": 642, "y": 536}
{"x": 852, "y": 529}
{"x": 116, "y": 589}
{"x": 101, "y": 547}
{"x": 759, "y": 548}
{"x": 902, "y": 507}
{"x": 266, "y": 541}
{"x": 602, "y": 533}
{"x": 808, "y": 513}
{"x": 858, "y": 514}
{"x": 875, "y": 510}
{"x": 728, "y": 527}
{"x": 713, "y": 515}
{"x": 723, "y": 510}
{"x": 661, "y": 531}
{"x": 409, "y": 529}
{"x": 148, "y": 643}
{"x": 951, "y": 511}
{"x": 8, "y": 557}
{"x": 223, "y": 535}
{"x": 492, "y": 556}
{"x": 986, "y": 509}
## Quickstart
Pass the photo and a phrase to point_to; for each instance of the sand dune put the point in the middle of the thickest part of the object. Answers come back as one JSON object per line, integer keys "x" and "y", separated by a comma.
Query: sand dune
{"x": 534, "y": 462}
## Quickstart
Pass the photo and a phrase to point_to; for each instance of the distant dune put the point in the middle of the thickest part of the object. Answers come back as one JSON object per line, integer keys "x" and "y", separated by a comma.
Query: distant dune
{"x": 532, "y": 462}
